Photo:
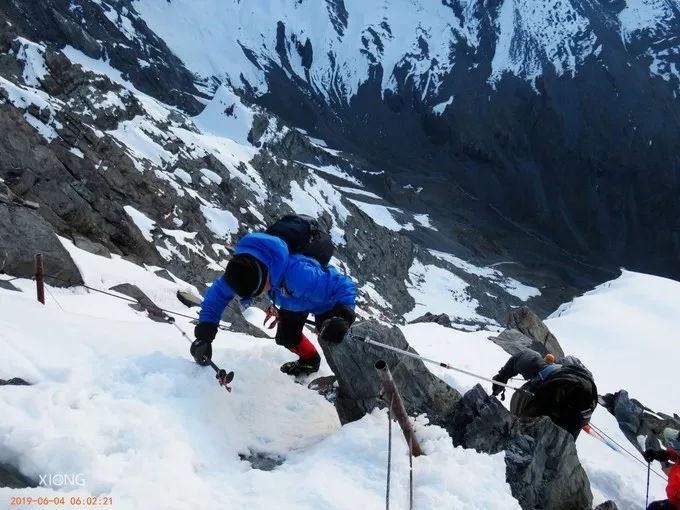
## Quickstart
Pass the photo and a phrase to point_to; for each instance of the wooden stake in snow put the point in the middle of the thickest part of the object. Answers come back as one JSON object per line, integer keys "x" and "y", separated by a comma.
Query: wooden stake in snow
{"x": 40, "y": 277}
{"x": 391, "y": 394}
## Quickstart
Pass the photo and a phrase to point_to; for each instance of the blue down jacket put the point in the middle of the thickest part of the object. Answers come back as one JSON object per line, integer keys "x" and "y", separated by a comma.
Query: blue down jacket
{"x": 299, "y": 283}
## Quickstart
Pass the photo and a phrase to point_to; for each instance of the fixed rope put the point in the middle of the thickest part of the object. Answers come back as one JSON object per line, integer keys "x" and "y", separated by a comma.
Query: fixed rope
{"x": 632, "y": 455}
{"x": 123, "y": 298}
{"x": 447, "y": 366}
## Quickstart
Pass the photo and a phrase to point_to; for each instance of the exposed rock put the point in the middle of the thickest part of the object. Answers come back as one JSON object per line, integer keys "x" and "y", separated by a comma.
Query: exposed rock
{"x": 481, "y": 422}
{"x": 512, "y": 341}
{"x": 543, "y": 469}
{"x": 188, "y": 298}
{"x": 637, "y": 421}
{"x": 527, "y": 331}
{"x": 144, "y": 303}
{"x": 527, "y": 322}
{"x": 442, "y": 319}
{"x": 11, "y": 478}
{"x": 237, "y": 322}
{"x": 96, "y": 248}
{"x": 16, "y": 381}
{"x": 607, "y": 505}
{"x": 165, "y": 274}
{"x": 326, "y": 387}
{"x": 261, "y": 461}
{"x": 25, "y": 233}
{"x": 353, "y": 363}
{"x": 4, "y": 284}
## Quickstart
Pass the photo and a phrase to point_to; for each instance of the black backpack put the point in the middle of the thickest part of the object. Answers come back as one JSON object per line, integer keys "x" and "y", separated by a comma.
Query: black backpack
{"x": 304, "y": 235}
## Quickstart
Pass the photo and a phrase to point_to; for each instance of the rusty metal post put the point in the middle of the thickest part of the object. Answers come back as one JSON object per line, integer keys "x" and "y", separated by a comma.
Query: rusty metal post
{"x": 391, "y": 394}
{"x": 40, "y": 277}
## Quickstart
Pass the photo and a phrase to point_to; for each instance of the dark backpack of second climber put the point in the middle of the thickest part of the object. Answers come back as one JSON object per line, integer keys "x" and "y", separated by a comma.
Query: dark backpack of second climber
{"x": 304, "y": 235}
{"x": 563, "y": 390}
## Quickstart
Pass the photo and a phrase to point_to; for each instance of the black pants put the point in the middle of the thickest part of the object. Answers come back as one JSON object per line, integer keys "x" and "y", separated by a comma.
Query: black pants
{"x": 661, "y": 505}
{"x": 291, "y": 324}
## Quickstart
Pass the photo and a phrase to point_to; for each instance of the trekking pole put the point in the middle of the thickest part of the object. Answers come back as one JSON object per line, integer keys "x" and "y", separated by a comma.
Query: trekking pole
{"x": 649, "y": 469}
{"x": 223, "y": 377}
{"x": 367, "y": 340}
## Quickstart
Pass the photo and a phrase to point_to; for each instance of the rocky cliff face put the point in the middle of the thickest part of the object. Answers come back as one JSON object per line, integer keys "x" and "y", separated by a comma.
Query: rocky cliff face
{"x": 559, "y": 116}
{"x": 101, "y": 135}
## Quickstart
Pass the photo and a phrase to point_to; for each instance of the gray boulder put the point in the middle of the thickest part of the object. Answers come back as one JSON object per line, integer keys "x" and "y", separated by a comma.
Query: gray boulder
{"x": 144, "y": 303}
{"x": 25, "y": 233}
{"x": 638, "y": 421}
{"x": 527, "y": 331}
{"x": 542, "y": 465}
{"x": 442, "y": 319}
{"x": 353, "y": 363}
{"x": 15, "y": 381}
{"x": 525, "y": 321}
{"x": 543, "y": 469}
{"x": 96, "y": 248}
{"x": 7, "y": 285}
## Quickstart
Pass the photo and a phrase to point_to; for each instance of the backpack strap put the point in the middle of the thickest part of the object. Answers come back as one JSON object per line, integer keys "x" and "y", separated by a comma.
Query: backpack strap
{"x": 546, "y": 372}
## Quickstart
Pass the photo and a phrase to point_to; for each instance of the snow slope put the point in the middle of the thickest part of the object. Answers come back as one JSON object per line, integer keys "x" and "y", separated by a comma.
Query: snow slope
{"x": 116, "y": 395}
{"x": 117, "y": 399}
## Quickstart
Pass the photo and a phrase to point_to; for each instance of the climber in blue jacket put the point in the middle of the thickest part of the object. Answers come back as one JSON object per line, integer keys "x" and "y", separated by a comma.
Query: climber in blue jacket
{"x": 296, "y": 283}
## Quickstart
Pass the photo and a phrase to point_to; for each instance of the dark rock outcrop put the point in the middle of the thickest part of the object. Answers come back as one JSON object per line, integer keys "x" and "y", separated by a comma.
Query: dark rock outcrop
{"x": 143, "y": 304}
{"x": 638, "y": 421}
{"x": 527, "y": 331}
{"x": 23, "y": 234}
{"x": 442, "y": 319}
{"x": 11, "y": 478}
{"x": 7, "y": 285}
{"x": 543, "y": 468}
{"x": 527, "y": 322}
{"x": 353, "y": 363}
{"x": 607, "y": 505}
{"x": 15, "y": 381}
{"x": 542, "y": 465}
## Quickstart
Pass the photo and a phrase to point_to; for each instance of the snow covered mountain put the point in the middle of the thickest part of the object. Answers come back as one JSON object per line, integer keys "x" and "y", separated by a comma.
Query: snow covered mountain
{"x": 560, "y": 115}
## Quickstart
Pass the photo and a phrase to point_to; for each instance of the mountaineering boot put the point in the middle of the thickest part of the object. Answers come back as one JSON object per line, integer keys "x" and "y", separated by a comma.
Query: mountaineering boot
{"x": 302, "y": 366}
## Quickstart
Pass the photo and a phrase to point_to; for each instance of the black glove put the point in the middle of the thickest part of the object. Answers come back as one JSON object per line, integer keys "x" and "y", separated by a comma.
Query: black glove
{"x": 652, "y": 454}
{"x": 201, "y": 348}
{"x": 334, "y": 330}
{"x": 345, "y": 312}
{"x": 205, "y": 331}
{"x": 497, "y": 390}
{"x": 335, "y": 324}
